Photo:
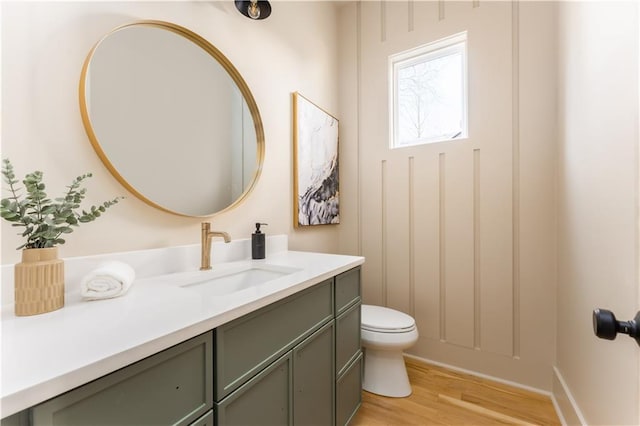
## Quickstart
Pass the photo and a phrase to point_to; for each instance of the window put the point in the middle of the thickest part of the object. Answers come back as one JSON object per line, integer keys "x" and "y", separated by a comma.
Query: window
{"x": 429, "y": 93}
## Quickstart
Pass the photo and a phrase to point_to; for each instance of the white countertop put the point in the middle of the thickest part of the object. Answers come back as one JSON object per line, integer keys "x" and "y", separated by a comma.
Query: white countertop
{"x": 46, "y": 355}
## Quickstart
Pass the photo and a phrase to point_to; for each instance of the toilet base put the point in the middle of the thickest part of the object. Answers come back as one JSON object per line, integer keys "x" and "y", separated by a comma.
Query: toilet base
{"x": 385, "y": 373}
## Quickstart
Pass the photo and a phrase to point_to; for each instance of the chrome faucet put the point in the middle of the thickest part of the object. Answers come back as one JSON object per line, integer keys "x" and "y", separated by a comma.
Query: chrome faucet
{"x": 206, "y": 234}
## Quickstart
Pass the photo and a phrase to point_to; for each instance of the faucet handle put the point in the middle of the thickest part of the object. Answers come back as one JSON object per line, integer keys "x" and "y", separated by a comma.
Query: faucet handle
{"x": 205, "y": 226}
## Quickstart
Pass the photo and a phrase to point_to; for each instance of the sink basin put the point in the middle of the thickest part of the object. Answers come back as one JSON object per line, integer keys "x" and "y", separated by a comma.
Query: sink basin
{"x": 226, "y": 280}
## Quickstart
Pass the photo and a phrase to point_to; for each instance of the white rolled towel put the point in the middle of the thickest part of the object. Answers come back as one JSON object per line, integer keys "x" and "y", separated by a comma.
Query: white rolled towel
{"x": 111, "y": 279}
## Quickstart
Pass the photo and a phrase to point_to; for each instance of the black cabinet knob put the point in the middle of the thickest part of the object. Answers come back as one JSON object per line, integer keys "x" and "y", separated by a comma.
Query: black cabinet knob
{"x": 606, "y": 326}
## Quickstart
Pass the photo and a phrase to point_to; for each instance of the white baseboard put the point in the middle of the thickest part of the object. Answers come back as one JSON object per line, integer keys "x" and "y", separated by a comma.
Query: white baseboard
{"x": 568, "y": 410}
{"x": 552, "y": 395}
{"x": 563, "y": 401}
{"x": 483, "y": 376}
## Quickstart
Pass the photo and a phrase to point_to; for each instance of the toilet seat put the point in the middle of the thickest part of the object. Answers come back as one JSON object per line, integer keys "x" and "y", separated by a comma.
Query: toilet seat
{"x": 384, "y": 320}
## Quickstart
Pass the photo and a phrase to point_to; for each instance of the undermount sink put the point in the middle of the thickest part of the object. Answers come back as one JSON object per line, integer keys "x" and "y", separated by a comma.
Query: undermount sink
{"x": 227, "y": 280}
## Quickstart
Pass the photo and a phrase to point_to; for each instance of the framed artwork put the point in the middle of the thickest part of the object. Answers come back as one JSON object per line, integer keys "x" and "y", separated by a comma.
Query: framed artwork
{"x": 315, "y": 166}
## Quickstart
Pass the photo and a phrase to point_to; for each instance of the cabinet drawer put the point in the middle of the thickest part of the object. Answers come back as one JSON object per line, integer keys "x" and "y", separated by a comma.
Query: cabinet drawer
{"x": 173, "y": 387}
{"x": 347, "y": 289}
{"x": 347, "y": 337}
{"x": 349, "y": 392}
{"x": 263, "y": 400}
{"x": 248, "y": 344}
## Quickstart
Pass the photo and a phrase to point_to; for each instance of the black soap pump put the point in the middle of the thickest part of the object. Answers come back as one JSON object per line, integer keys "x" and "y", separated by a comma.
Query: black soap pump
{"x": 257, "y": 243}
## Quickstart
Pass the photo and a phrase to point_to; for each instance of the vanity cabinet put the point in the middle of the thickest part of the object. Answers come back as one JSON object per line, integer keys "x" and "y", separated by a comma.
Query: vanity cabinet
{"x": 296, "y": 361}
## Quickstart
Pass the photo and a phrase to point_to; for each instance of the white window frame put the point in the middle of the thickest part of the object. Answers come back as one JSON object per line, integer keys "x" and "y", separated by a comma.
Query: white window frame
{"x": 427, "y": 52}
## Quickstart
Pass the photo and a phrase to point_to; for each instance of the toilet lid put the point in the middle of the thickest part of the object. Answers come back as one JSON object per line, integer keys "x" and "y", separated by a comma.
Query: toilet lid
{"x": 379, "y": 318}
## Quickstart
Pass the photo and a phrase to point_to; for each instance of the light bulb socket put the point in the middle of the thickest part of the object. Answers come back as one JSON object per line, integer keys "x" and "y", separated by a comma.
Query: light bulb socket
{"x": 263, "y": 9}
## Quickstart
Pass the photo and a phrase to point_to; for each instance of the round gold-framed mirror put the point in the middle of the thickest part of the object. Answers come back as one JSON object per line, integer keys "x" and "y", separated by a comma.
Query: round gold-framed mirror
{"x": 171, "y": 118}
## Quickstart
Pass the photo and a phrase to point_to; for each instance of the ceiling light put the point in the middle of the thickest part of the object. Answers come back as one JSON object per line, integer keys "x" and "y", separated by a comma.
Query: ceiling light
{"x": 254, "y": 9}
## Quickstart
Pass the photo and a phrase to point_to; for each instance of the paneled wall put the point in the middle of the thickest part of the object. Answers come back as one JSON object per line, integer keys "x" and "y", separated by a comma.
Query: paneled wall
{"x": 459, "y": 234}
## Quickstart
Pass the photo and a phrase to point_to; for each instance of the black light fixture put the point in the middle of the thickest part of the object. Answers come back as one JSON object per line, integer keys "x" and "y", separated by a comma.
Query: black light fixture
{"x": 254, "y": 9}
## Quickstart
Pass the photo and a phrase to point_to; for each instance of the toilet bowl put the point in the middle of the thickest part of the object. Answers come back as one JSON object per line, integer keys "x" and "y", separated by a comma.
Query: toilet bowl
{"x": 385, "y": 334}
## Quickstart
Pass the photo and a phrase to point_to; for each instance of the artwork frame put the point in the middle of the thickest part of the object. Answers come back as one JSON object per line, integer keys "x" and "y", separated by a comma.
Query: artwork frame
{"x": 316, "y": 183}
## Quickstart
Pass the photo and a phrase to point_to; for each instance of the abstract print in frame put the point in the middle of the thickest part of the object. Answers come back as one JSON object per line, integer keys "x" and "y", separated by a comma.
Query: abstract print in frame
{"x": 315, "y": 149}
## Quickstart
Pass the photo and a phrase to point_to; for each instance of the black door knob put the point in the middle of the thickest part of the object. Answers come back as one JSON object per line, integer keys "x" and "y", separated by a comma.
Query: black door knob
{"x": 606, "y": 326}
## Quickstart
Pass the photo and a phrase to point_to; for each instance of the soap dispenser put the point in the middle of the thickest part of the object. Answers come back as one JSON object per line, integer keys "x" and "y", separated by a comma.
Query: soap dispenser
{"x": 257, "y": 243}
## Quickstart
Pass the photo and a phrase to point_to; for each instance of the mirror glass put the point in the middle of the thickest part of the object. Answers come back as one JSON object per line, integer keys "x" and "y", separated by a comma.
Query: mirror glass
{"x": 171, "y": 118}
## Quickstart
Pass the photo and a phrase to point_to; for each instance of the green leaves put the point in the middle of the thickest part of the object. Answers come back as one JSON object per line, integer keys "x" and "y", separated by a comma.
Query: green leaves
{"x": 44, "y": 220}
{"x": 7, "y": 172}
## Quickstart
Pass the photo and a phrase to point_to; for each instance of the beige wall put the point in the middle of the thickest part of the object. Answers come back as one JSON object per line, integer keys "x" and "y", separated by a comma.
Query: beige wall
{"x": 471, "y": 256}
{"x": 459, "y": 234}
{"x": 43, "y": 47}
{"x": 598, "y": 206}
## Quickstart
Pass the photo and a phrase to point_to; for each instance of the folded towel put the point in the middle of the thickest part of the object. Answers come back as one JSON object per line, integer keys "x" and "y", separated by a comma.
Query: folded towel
{"x": 111, "y": 279}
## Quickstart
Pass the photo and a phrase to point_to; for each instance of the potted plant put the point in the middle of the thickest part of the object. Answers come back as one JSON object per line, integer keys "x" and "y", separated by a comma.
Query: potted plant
{"x": 39, "y": 278}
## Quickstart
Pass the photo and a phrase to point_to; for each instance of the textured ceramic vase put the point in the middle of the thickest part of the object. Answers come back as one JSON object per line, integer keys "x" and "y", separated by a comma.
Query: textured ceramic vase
{"x": 39, "y": 282}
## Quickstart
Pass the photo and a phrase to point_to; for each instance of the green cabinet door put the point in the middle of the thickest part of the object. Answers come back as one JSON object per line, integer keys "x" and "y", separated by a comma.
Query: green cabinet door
{"x": 173, "y": 387}
{"x": 264, "y": 400}
{"x": 313, "y": 379}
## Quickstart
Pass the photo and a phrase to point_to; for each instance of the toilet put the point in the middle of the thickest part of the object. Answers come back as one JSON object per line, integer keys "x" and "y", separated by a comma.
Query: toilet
{"x": 385, "y": 333}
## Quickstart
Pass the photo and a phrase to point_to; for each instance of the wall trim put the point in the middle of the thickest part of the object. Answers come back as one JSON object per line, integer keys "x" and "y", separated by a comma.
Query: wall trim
{"x": 383, "y": 231}
{"x": 442, "y": 259}
{"x": 383, "y": 21}
{"x": 412, "y": 243}
{"x": 565, "y": 403}
{"x": 411, "y": 14}
{"x": 515, "y": 164}
{"x": 482, "y": 376}
{"x": 477, "y": 247}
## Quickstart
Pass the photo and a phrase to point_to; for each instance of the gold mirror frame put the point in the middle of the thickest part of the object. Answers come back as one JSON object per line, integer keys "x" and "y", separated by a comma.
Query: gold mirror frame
{"x": 228, "y": 67}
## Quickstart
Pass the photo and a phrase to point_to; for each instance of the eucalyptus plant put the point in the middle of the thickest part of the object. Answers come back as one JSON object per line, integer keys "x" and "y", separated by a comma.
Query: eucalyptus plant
{"x": 44, "y": 220}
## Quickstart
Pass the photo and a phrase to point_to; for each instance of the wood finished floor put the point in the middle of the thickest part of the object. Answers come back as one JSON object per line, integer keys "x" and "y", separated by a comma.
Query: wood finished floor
{"x": 445, "y": 397}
